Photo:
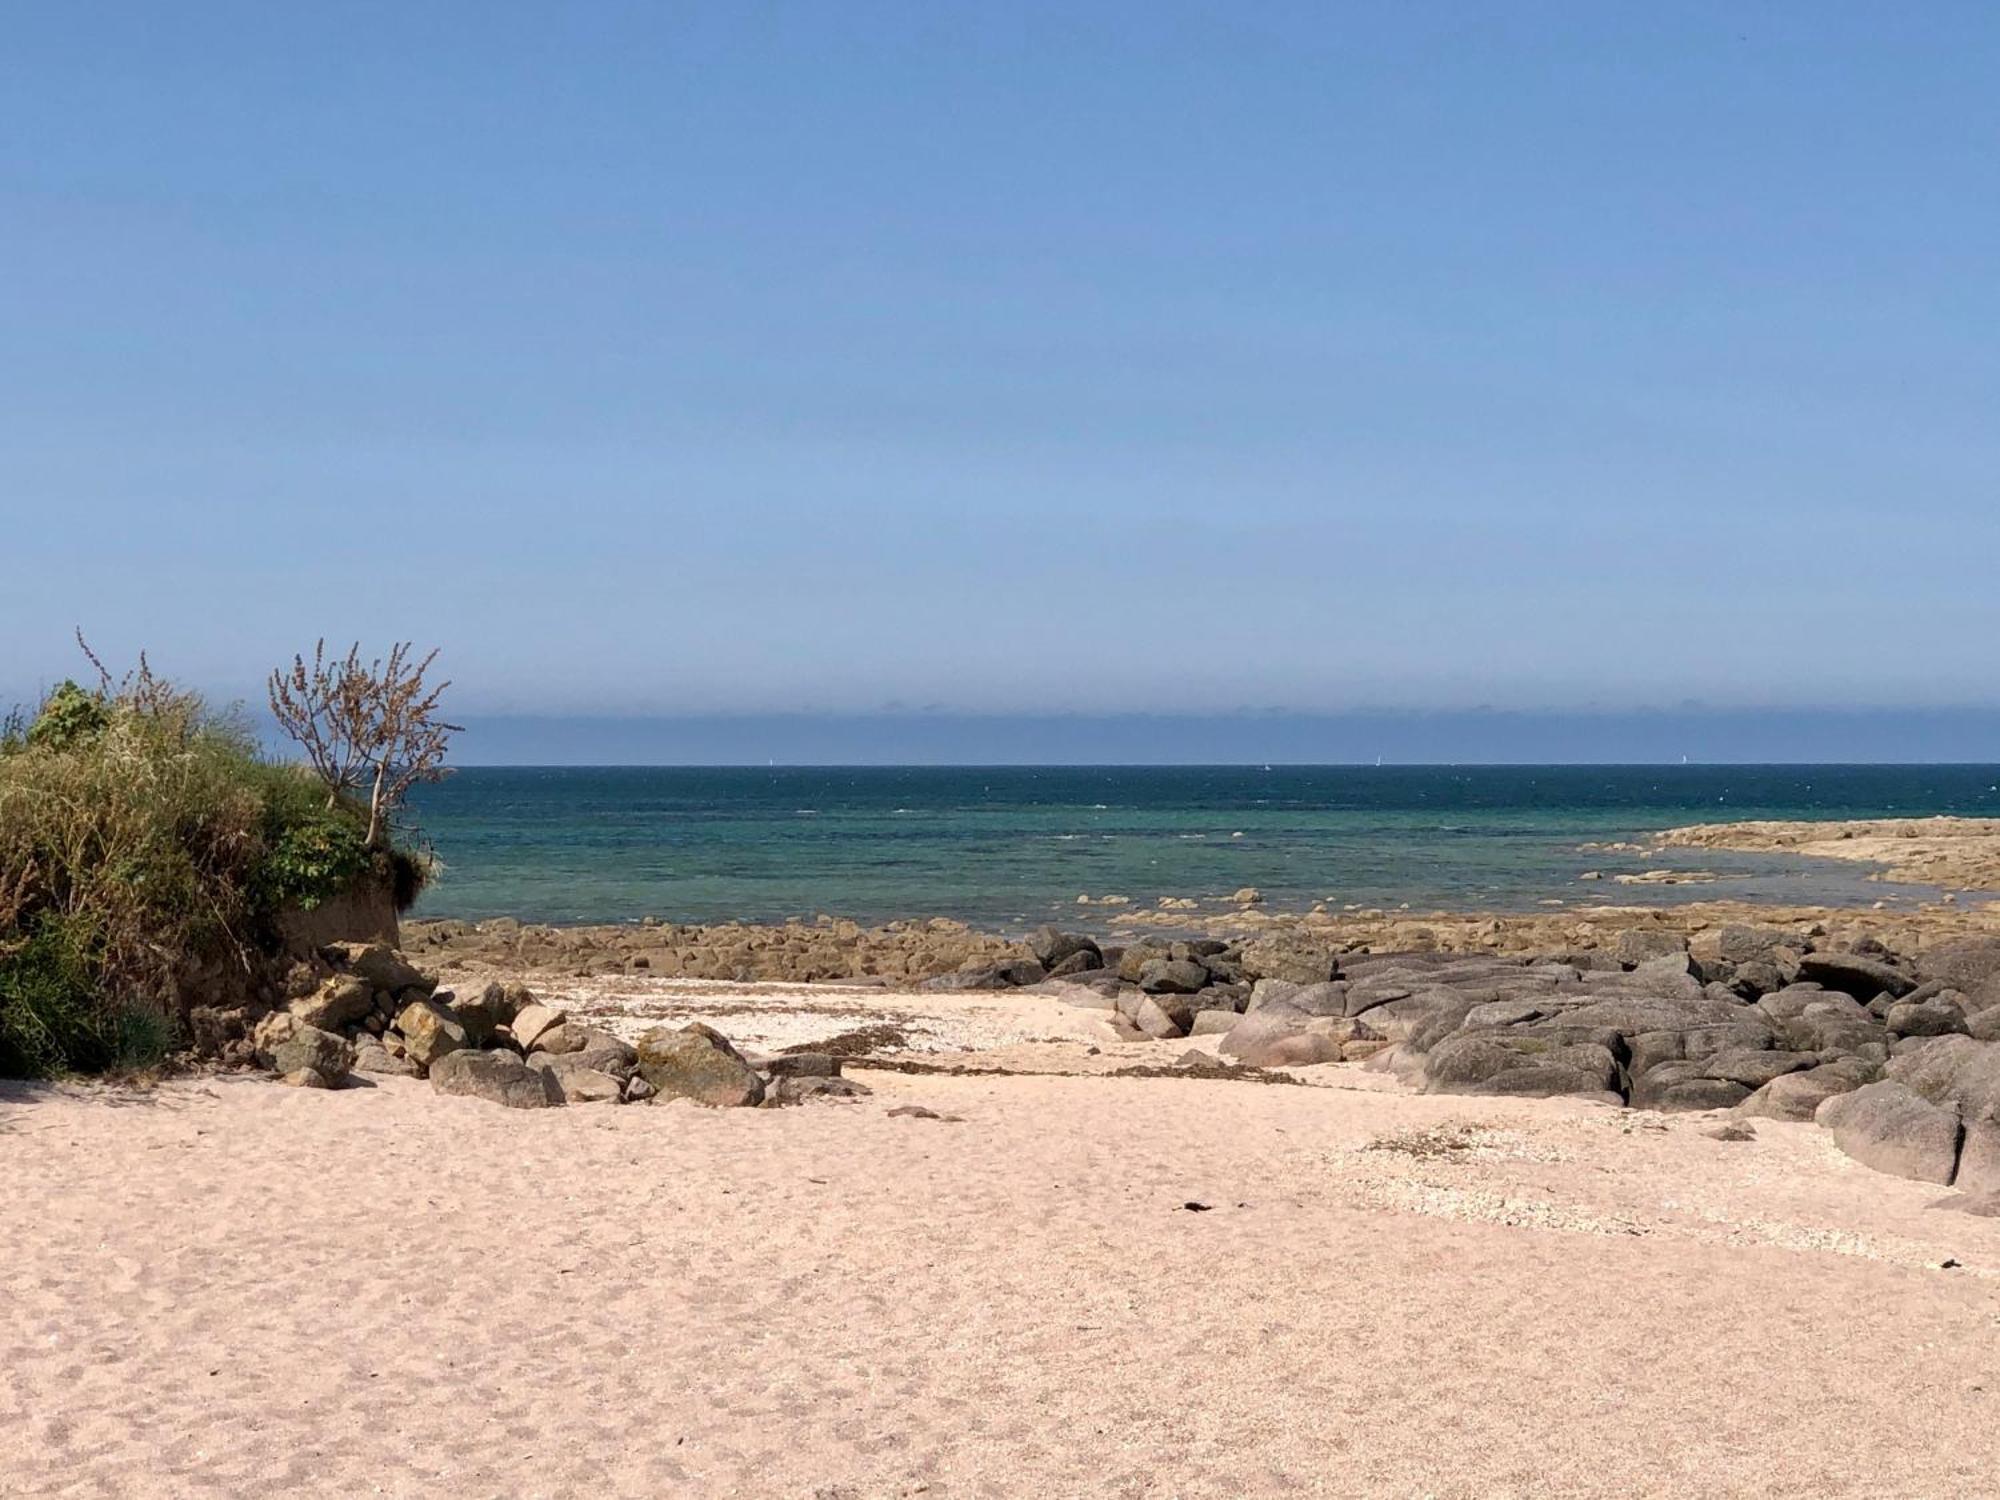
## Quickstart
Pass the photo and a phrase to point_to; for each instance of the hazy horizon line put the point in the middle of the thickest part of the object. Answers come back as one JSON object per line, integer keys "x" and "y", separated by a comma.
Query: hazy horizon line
{"x": 1460, "y": 737}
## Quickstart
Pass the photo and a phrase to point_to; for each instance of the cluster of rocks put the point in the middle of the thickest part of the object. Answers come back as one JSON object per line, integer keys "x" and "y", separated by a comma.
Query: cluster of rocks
{"x": 1158, "y": 987}
{"x": 376, "y": 1013}
{"x": 1898, "y": 1056}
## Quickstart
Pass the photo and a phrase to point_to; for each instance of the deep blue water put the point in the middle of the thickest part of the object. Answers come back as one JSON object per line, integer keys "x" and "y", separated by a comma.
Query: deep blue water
{"x": 1014, "y": 845}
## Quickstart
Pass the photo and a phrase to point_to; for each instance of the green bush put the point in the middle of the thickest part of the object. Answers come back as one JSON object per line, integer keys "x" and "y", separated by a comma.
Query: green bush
{"x": 146, "y": 852}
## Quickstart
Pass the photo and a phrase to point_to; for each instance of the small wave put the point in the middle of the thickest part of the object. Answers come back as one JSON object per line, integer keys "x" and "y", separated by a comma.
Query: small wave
{"x": 806, "y": 812}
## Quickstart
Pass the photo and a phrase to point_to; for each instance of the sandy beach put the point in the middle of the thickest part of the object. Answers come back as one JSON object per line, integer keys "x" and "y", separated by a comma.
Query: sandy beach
{"x": 224, "y": 1287}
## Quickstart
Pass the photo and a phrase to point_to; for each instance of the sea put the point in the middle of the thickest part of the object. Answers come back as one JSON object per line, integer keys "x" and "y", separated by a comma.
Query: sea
{"x": 1009, "y": 847}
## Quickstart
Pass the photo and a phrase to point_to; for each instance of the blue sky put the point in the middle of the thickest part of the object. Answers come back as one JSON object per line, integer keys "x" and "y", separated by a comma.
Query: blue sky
{"x": 752, "y": 359}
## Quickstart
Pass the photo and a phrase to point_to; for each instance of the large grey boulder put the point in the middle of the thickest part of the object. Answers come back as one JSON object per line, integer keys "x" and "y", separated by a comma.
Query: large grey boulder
{"x": 1294, "y": 956}
{"x": 370, "y": 1056}
{"x": 1162, "y": 1016}
{"x": 1968, "y": 965}
{"x": 1500, "y": 1063}
{"x": 569, "y": 1083}
{"x": 1855, "y": 974}
{"x": 1741, "y": 943}
{"x": 1939, "y": 1015}
{"x": 697, "y": 1062}
{"x": 1278, "y": 1036}
{"x": 1172, "y": 976}
{"x": 1956, "y": 1070}
{"x": 300, "y": 1048}
{"x": 497, "y": 1077}
{"x": 1053, "y": 948}
{"x": 1685, "y": 1086}
{"x": 1638, "y": 945}
{"x": 1894, "y": 1129}
{"x": 1755, "y": 1068}
{"x": 1137, "y": 955}
{"x": 1798, "y": 1096}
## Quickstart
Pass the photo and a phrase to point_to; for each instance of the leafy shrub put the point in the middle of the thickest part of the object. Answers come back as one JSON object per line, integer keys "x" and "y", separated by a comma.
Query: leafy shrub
{"x": 146, "y": 850}
{"x": 69, "y": 716}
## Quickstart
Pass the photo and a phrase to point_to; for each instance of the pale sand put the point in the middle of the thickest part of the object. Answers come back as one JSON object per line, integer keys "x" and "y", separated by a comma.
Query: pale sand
{"x": 227, "y": 1287}
{"x": 1959, "y": 852}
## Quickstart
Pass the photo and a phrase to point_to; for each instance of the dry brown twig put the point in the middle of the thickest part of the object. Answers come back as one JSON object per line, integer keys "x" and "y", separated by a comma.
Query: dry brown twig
{"x": 373, "y": 726}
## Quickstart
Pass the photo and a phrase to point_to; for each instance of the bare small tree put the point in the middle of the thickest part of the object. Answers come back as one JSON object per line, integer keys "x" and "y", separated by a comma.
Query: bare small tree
{"x": 374, "y": 726}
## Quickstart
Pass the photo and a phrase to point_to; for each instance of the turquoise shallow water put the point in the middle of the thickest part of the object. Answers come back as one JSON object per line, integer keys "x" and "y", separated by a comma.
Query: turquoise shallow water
{"x": 1009, "y": 846}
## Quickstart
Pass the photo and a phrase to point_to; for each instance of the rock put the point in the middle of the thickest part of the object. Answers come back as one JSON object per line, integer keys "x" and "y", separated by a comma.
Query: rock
{"x": 803, "y": 1065}
{"x": 798, "y": 1088}
{"x": 1638, "y": 945}
{"x": 573, "y": 1085}
{"x": 1835, "y": 1024}
{"x": 1249, "y": 895}
{"x": 497, "y": 1077}
{"x": 1053, "y": 948}
{"x": 1224, "y": 969}
{"x": 1854, "y": 974}
{"x": 1685, "y": 1086}
{"x": 1017, "y": 973}
{"x": 918, "y": 1112}
{"x": 1162, "y": 1016}
{"x": 1983, "y": 1205}
{"x": 557, "y": 1040}
{"x": 697, "y": 1062}
{"x": 1741, "y": 943}
{"x": 1894, "y": 1129}
{"x": 1979, "y": 1158}
{"x": 1076, "y": 963}
{"x": 1135, "y": 958}
{"x": 1754, "y": 979}
{"x": 305, "y": 1078}
{"x": 983, "y": 978}
{"x": 1498, "y": 1063}
{"x": 1954, "y": 1070}
{"x": 429, "y": 1032}
{"x": 1213, "y": 1022}
{"x": 531, "y": 1020}
{"x": 1172, "y": 976}
{"x": 637, "y": 1090}
{"x": 373, "y": 1057}
{"x": 380, "y": 966}
{"x": 1967, "y": 965}
{"x": 602, "y": 1051}
{"x": 1297, "y": 957}
{"x": 343, "y": 1000}
{"x": 1940, "y": 1015}
{"x": 1328, "y": 998}
{"x": 1277, "y": 1036}
{"x": 1754, "y": 1069}
{"x": 1796, "y": 1096}
{"x": 1731, "y": 1133}
{"x": 296, "y": 1047}
{"x": 485, "y": 1013}
{"x": 1269, "y": 992}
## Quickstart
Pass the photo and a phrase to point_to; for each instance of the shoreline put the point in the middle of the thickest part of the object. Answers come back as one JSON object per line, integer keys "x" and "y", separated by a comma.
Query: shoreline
{"x": 1948, "y": 853}
{"x": 833, "y": 949}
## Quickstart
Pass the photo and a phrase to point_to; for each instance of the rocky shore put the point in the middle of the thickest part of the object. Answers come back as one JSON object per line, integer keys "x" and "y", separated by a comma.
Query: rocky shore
{"x": 1896, "y": 1051}
{"x": 1960, "y": 853}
